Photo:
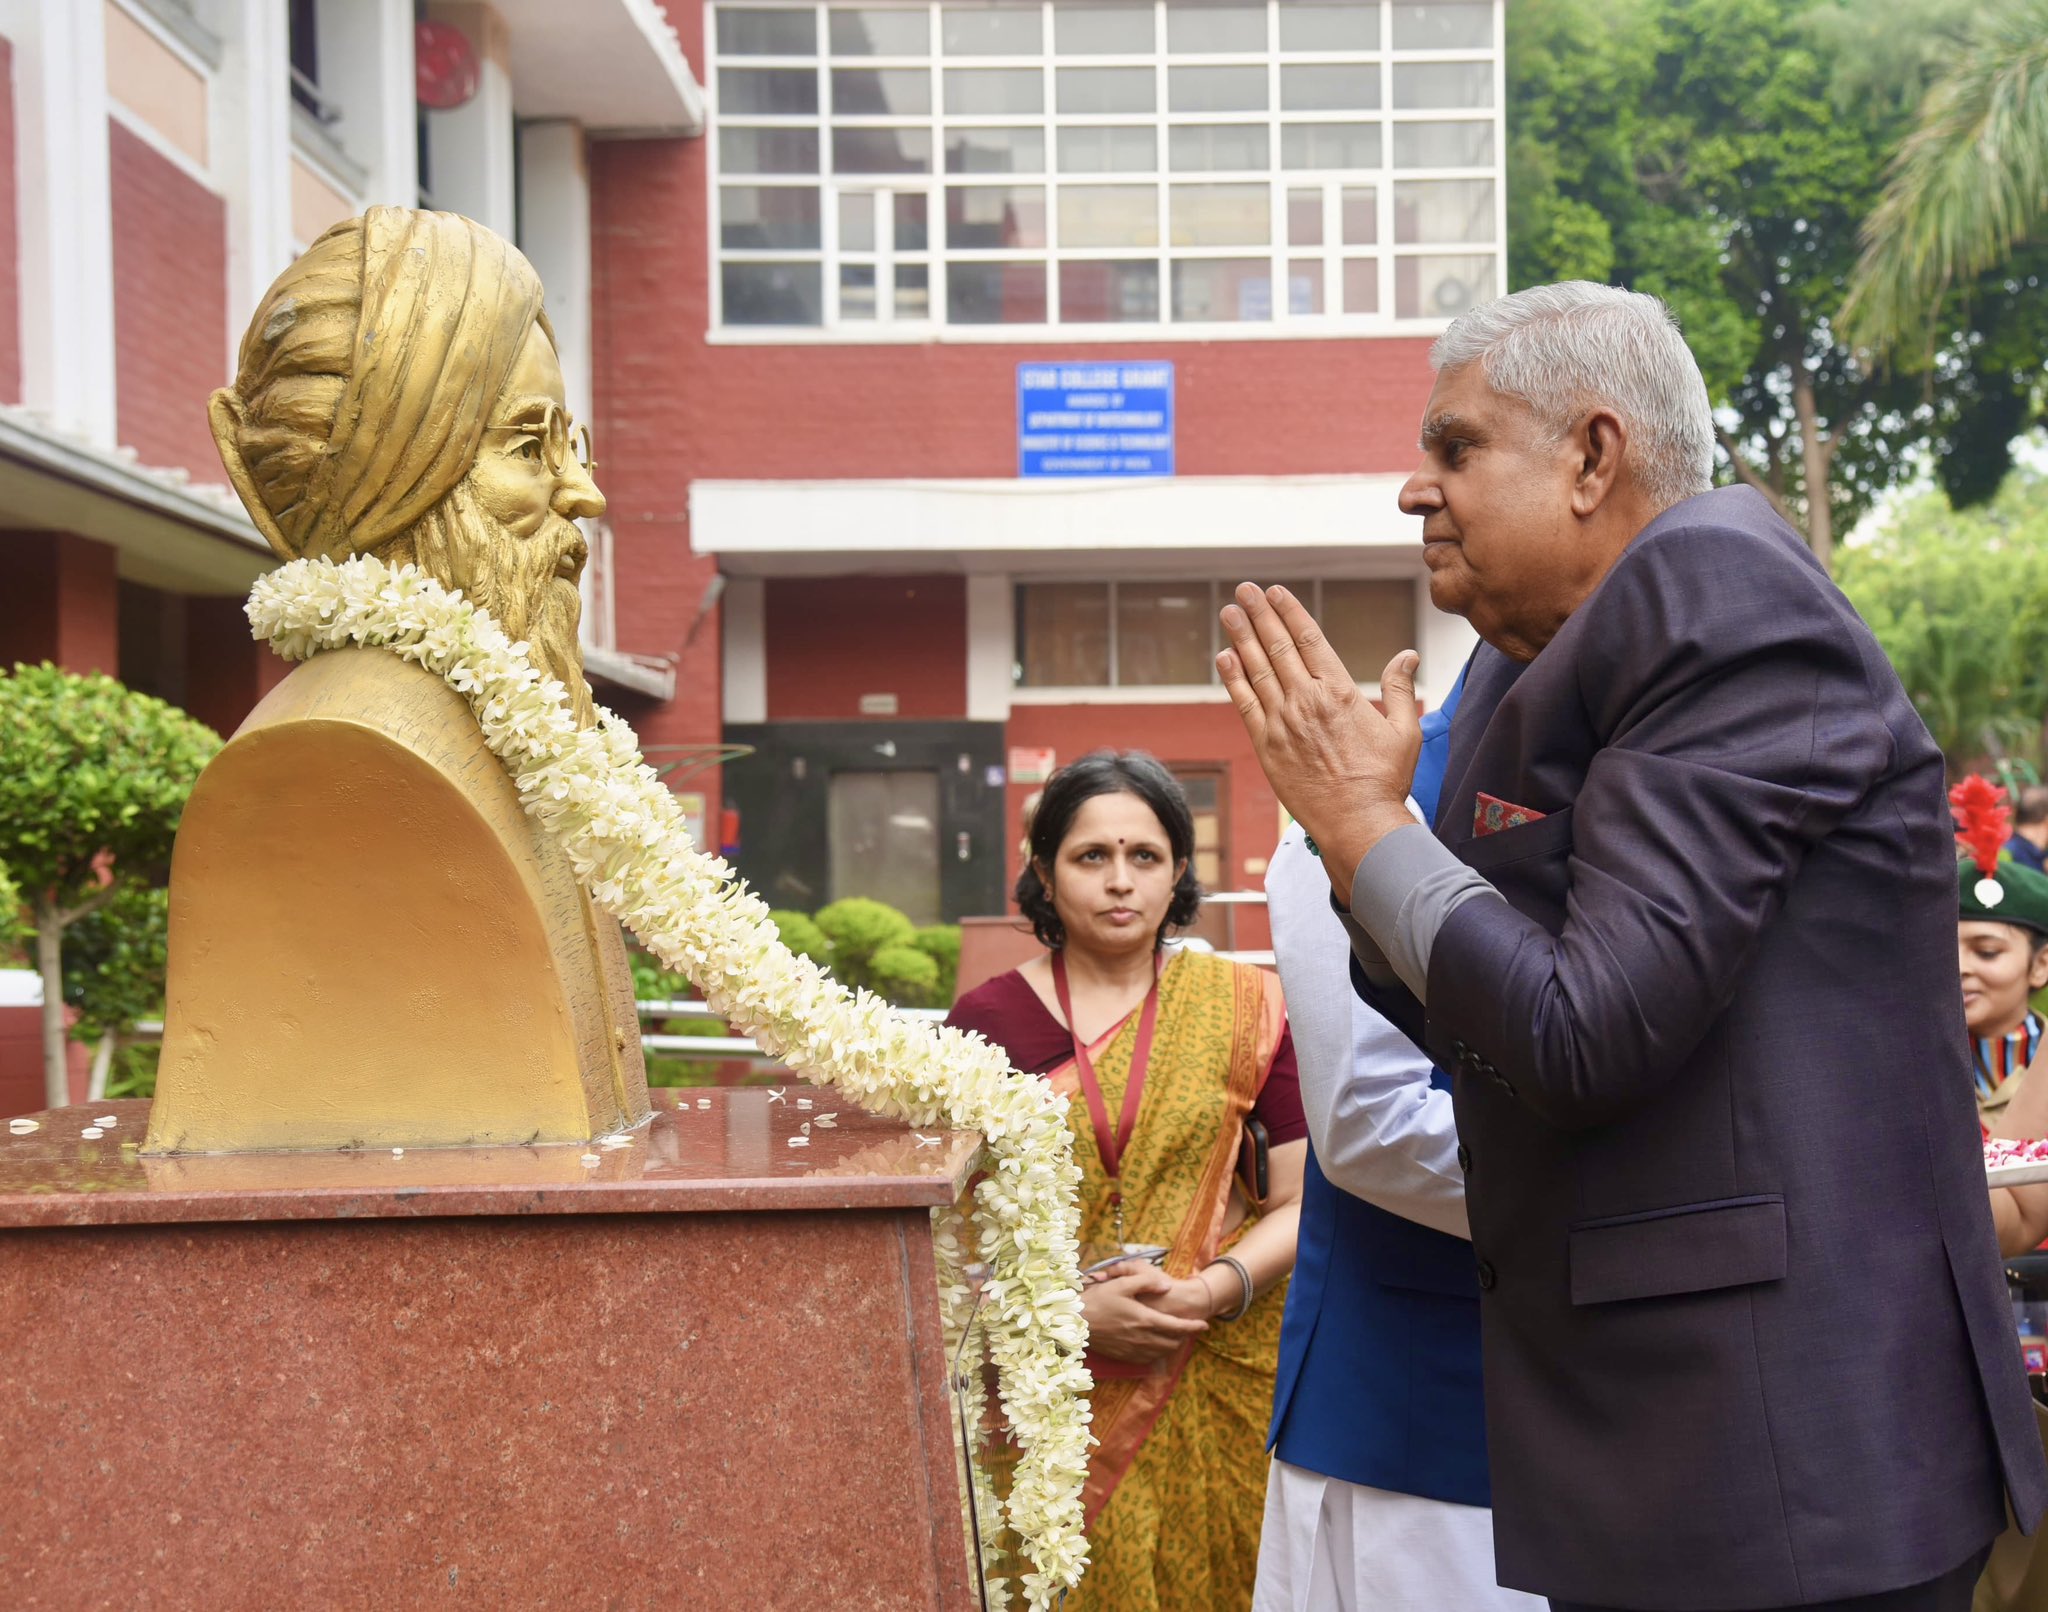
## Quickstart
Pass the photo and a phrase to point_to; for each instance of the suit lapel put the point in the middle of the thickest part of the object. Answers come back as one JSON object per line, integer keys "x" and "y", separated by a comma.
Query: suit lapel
{"x": 1487, "y": 681}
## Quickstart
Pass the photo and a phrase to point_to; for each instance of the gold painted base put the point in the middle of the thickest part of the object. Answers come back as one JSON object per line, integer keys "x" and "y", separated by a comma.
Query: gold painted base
{"x": 372, "y": 945}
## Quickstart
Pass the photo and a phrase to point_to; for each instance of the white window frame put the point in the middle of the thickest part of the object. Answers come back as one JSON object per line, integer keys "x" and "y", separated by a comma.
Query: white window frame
{"x": 1283, "y": 323}
{"x": 1115, "y": 693}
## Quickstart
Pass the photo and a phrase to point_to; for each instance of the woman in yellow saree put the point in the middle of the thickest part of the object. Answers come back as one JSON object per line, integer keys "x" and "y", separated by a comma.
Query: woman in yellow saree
{"x": 1183, "y": 1094}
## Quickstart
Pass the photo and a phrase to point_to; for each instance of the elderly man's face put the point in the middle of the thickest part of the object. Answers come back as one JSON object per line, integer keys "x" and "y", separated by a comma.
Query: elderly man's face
{"x": 1498, "y": 530}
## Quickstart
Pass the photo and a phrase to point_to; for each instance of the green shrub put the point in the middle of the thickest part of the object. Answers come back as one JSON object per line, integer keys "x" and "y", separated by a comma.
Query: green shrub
{"x": 801, "y": 934}
{"x": 905, "y": 975}
{"x": 13, "y": 916}
{"x": 857, "y": 928}
{"x": 941, "y": 943}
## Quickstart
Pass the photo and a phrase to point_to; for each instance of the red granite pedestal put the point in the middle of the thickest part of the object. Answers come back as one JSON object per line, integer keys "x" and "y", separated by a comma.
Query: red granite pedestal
{"x": 704, "y": 1371}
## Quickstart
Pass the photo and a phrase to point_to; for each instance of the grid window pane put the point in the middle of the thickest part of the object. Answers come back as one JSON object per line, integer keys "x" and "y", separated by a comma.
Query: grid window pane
{"x": 1361, "y": 285}
{"x": 1326, "y": 27}
{"x": 1441, "y": 212}
{"x": 1222, "y": 215}
{"x": 857, "y": 221}
{"x": 1368, "y": 624}
{"x": 1305, "y": 217}
{"x": 1109, "y": 293}
{"x": 983, "y": 30}
{"x": 1199, "y": 28}
{"x": 1175, "y": 201}
{"x": 1441, "y": 26}
{"x": 1339, "y": 87}
{"x": 1216, "y": 89}
{"x": 756, "y": 218}
{"x": 882, "y": 151}
{"x": 1361, "y": 209}
{"x": 857, "y": 291}
{"x": 986, "y": 217}
{"x": 994, "y": 91}
{"x": 1427, "y": 86}
{"x": 773, "y": 293}
{"x": 1091, "y": 91}
{"x": 1162, "y": 633}
{"x": 995, "y": 151}
{"x": 913, "y": 229}
{"x": 1217, "y": 147}
{"x": 1305, "y": 286}
{"x": 1119, "y": 30}
{"x": 746, "y": 32}
{"x": 913, "y": 291}
{"x": 1441, "y": 287}
{"x": 881, "y": 92}
{"x": 768, "y": 151}
{"x": 1063, "y": 634}
{"x": 880, "y": 31}
{"x": 1108, "y": 151}
{"x": 768, "y": 92}
{"x": 995, "y": 293}
{"x": 1109, "y": 215}
{"x": 1330, "y": 145}
{"x": 1443, "y": 145}
{"x": 1231, "y": 290}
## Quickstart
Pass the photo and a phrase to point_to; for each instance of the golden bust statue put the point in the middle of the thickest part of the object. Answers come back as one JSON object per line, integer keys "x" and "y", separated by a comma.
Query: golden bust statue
{"x": 371, "y": 945}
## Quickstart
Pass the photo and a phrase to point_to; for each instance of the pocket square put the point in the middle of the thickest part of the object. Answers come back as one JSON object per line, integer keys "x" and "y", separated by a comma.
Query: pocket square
{"x": 1491, "y": 814}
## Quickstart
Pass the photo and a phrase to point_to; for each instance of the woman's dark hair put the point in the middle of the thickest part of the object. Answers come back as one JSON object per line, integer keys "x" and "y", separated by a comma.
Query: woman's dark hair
{"x": 1106, "y": 772}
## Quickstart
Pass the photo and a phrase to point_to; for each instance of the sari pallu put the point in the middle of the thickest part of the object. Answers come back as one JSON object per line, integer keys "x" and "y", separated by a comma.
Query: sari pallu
{"x": 1176, "y": 1484}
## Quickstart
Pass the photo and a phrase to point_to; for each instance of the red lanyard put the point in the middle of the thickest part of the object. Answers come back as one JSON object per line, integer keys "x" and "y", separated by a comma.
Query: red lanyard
{"x": 1110, "y": 1146}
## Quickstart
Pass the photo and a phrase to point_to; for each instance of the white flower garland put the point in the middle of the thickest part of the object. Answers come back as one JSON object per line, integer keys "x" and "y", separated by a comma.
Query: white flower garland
{"x": 623, "y": 831}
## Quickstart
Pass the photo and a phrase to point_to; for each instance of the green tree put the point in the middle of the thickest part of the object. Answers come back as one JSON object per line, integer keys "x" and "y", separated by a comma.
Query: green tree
{"x": 1959, "y": 600}
{"x": 1722, "y": 154}
{"x": 1970, "y": 182}
{"x": 114, "y": 963}
{"x": 93, "y": 779}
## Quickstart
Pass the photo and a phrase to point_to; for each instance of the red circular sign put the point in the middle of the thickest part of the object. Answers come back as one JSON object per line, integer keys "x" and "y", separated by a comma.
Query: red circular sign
{"x": 446, "y": 70}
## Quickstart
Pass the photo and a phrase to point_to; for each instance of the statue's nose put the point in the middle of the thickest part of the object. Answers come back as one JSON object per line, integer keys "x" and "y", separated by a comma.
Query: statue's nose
{"x": 577, "y": 498}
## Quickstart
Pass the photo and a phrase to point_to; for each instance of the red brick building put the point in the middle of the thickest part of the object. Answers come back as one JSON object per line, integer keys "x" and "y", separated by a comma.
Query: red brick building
{"x": 797, "y": 306}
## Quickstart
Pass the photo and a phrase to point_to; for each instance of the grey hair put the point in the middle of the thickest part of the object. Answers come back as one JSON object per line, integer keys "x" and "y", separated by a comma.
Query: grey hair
{"x": 1567, "y": 348}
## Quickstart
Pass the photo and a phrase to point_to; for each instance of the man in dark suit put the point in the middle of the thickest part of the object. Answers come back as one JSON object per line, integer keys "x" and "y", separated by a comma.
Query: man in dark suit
{"x": 1683, "y": 938}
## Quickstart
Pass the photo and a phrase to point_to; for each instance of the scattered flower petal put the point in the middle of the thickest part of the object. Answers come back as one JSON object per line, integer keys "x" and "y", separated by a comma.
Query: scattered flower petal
{"x": 92, "y": 1133}
{"x": 22, "y": 1127}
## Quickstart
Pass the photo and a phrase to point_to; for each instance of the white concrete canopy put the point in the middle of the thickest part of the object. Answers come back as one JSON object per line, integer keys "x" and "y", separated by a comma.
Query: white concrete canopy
{"x": 613, "y": 66}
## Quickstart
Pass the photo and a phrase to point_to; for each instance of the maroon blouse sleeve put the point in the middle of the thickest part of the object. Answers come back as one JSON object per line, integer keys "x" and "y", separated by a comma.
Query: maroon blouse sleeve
{"x": 1008, "y": 1012}
{"x": 1278, "y": 1106}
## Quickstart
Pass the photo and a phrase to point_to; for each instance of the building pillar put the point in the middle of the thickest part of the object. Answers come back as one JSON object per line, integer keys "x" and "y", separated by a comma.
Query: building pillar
{"x": 554, "y": 233}
{"x": 991, "y": 647}
{"x": 252, "y": 134}
{"x": 366, "y": 64}
{"x": 226, "y": 670}
{"x": 65, "y": 213}
{"x": 744, "y": 640}
{"x": 469, "y": 150}
{"x": 62, "y": 602}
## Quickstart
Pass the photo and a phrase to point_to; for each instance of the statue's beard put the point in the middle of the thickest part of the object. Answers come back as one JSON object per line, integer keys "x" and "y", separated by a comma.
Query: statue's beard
{"x": 517, "y": 579}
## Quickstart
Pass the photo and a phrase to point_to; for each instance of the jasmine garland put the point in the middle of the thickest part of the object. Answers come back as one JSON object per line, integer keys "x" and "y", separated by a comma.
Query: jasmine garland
{"x": 623, "y": 833}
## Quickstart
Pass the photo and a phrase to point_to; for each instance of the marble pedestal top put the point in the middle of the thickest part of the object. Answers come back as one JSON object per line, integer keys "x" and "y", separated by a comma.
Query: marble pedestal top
{"x": 705, "y": 1150}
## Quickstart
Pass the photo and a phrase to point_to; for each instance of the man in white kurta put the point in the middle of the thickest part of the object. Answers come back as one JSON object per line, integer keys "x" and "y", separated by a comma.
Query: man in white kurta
{"x": 1383, "y": 1133}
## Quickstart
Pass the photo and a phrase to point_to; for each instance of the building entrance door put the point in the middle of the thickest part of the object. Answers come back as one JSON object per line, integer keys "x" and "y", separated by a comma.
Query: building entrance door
{"x": 884, "y": 832}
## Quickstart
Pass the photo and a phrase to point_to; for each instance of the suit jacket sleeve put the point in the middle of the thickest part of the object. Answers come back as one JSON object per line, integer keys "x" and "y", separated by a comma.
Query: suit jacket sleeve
{"x": 1738, "y": 725}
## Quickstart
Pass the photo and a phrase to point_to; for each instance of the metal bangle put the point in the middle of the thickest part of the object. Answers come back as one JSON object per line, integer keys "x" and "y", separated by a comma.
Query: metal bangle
{"x": 1245, "y": 1278}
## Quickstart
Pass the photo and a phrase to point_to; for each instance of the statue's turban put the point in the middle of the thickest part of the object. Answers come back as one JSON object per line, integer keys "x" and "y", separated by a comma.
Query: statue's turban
{"x": 367, "y": 377}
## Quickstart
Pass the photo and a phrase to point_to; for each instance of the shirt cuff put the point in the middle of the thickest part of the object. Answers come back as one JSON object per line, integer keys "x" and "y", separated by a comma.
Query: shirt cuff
{"x": 1403, "y": 891}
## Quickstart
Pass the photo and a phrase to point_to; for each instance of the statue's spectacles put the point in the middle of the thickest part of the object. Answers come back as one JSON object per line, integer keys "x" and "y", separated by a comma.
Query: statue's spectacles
{"x": 558, "y": 441}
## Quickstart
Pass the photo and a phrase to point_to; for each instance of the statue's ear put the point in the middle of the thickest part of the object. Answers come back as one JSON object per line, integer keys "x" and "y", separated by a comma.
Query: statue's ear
{"x": 229, "y": 416}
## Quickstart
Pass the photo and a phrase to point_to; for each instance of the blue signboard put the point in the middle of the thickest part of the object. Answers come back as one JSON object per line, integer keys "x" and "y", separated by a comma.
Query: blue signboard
{"x": 1095, "y": 418}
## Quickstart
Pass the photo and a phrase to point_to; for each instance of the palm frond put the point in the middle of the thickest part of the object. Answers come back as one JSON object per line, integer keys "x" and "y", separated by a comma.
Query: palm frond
{"x": 1969, "y": 183}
